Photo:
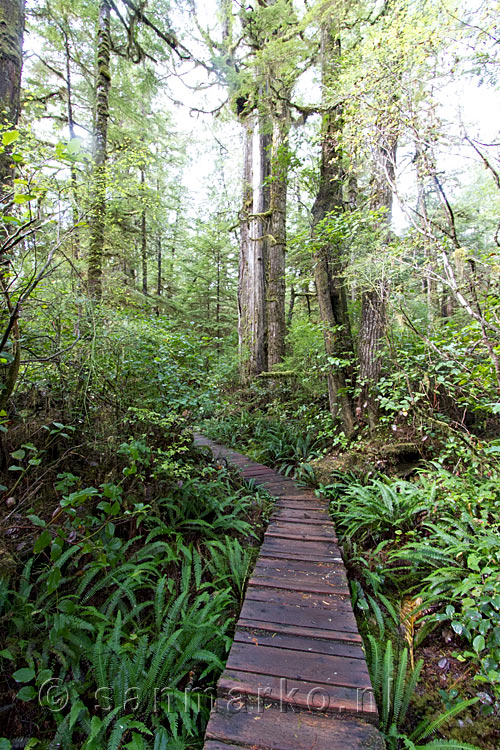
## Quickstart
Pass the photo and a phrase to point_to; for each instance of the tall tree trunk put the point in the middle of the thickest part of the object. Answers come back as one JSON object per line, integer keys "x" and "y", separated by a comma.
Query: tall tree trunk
{"x": 374, "y": 299}
{"x": 144, "y": 239}
{"x": 275, "y": 295}
{"x": 11, "y": 63}
{"x": 244, "y": 278}
{"x": 75, "y": 237}
{"x": 265, "y": 114}
{"x": 159, "y": 283}
{"x": 328, "y": 260}
{"x": 259, "y": 231}
{"x": 98, "y": 208}
{"x": 253, "y": 248}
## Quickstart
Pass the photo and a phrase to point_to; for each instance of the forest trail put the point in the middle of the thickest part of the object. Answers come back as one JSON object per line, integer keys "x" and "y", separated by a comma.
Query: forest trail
{"x": 296, "y": 676}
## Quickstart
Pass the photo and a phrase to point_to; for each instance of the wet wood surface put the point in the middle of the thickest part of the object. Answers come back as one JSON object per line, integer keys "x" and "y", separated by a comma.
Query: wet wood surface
{"x": 296, "y": 676}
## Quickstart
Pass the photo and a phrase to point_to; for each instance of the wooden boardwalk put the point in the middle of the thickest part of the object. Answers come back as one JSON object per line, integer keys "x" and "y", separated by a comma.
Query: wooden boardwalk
{"x": 296, "y": 676}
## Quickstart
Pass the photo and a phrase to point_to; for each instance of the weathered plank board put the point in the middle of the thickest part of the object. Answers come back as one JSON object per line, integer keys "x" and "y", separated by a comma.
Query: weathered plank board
{"x": 288, "y": 730}
{"x": 296, "y": 675}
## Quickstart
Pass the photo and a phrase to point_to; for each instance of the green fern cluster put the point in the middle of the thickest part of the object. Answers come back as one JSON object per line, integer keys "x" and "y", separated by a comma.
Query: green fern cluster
{"x": 380, "y": 509}
{"x": 134, "y": 630}
{"x": 394, "y": 685}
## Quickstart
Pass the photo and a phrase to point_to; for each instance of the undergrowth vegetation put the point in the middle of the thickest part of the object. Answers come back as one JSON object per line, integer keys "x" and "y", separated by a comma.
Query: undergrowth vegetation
{"x": 424, "y": 556}
{"x": 126, "y": 549}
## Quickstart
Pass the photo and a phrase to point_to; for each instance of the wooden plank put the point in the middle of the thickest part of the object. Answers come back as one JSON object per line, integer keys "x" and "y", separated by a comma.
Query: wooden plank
{"x": 298, "y": 502}
{"x": 301, "y": 532}
{"x": 290, "y": 615}
{"x": 326, "y": 569}
{"x": 301, "y": 643}
{"x": 287, "y": 730}
{"x": 272, "y": 627}
{"x": 236, "y": 686}
{"x": 278, "y": 485}
{"x": 281, "y": 556}
{"x": 261, "y": 475}
{"x": 321, "y": 669}
{"x": 297, "y": 546}
{"x": 333, "y": 601}
{"x": 339, "y": 586}
{"x": 291, "y": 516}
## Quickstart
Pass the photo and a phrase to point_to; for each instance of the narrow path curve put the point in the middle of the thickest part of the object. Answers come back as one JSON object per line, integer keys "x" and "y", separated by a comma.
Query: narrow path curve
{"x": 296, "y": 676}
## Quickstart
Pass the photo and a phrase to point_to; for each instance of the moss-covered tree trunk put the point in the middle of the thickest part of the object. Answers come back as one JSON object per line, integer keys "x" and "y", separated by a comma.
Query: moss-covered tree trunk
{"x": 72, "y": 134}
{"x": 275, "y": 294}
{"x": 11, "y": 63}
{"x": 244, "y": 281}
{"x": 100, "y": 144}
{"x": 328, "y": 256}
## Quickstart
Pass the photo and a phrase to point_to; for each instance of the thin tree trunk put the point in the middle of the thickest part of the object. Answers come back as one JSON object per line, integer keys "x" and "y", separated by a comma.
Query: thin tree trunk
{"x": 244, "y": 277}
{"x": 144, "y": 238}
{"x": 374, "y": 299}
{"x": 291, "y": 305}
{"x": 75, "y": 235}
{"x": 159, "y": 285}
{"x": 98, "y": 208}
{"x": 328, "y": 261}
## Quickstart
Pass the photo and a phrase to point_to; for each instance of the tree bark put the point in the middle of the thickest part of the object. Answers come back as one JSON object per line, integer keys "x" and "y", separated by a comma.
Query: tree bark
{"x": 244, "y": 278}
{"x": 144, "y": 238}
{"x": 98, "y": 208}
{"x": 374, "y": 299}
{"x": 259, "y": 224}
{"x": 159, "y": 283}
{"x": 75, "y": 236}
{"x": 328, "y": 260}
{"x": 11, "y": 63}
{"x": 266, "y": 118}
{"x": 275, "y": 295}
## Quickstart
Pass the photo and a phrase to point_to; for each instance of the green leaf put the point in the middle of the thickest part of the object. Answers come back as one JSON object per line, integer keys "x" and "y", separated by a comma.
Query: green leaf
{"x": 478, "y": 643}
{"x": 24, "y": 198}
{"x": 19, "y": 454}
{"x": 56, "y": 550}
{"x": 27, "y": 693}
{"x": 15, "y": 468}
{"x": 74, "y": 146}
{"x": 53, "y": 580}
{"x": 67, "y": 606}
{"x": 5, "y": 744}
{"x": 43, "y": 541}
{"x": 36, "y": 520}
{"x": 6, "y": 654}
{"x": 24, "y": 675}
{"x": 10, "y": 137}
